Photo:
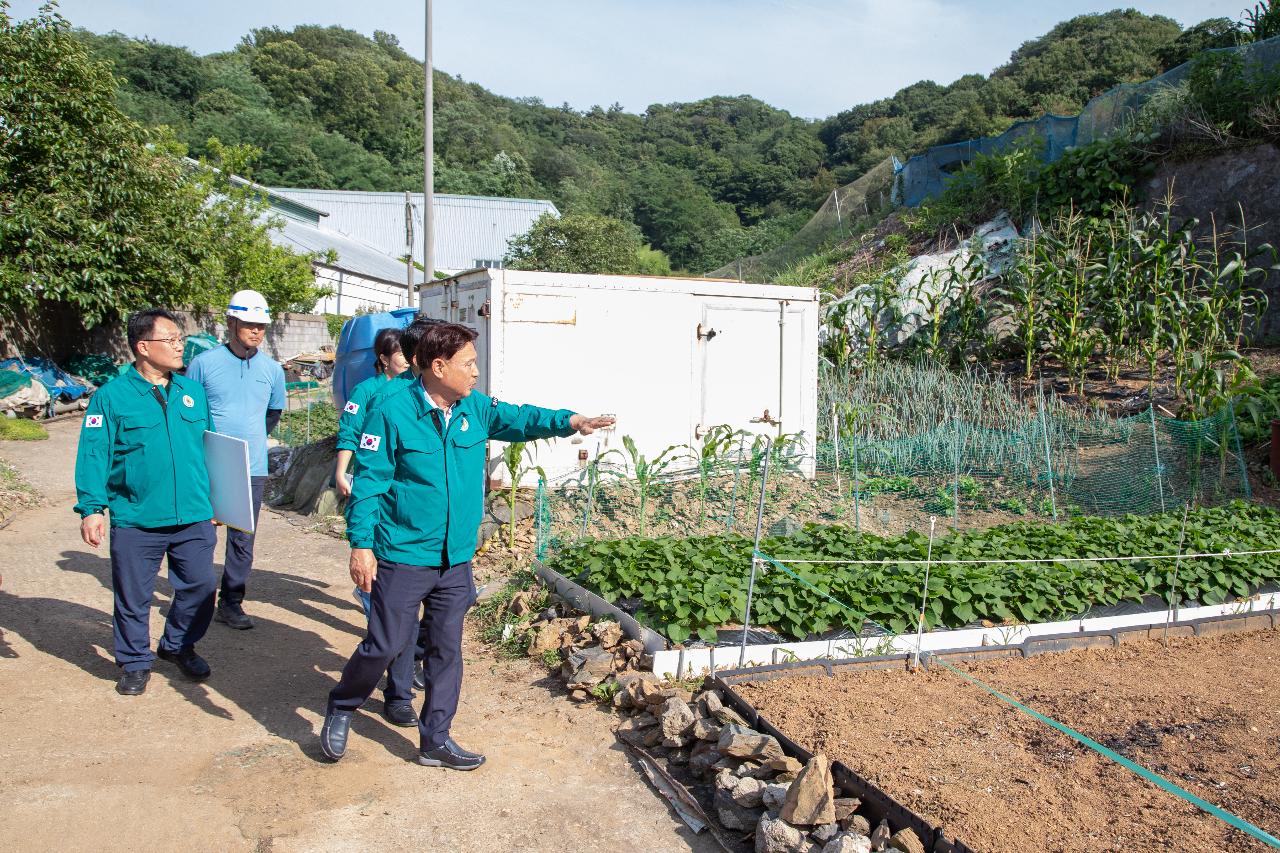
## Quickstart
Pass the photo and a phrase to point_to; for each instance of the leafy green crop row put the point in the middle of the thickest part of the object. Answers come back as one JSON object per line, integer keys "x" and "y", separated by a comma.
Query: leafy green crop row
{"x": 693, "y": 586}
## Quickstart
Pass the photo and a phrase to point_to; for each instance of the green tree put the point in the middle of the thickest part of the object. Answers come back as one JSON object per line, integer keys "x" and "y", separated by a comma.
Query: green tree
{"x": 577, "y": 242}
{"x": 97, "y": 218}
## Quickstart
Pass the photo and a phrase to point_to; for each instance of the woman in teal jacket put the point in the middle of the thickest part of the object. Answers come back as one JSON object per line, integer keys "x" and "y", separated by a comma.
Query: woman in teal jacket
{"x": 415, "y": 507}
{"x": 390, "y": 362}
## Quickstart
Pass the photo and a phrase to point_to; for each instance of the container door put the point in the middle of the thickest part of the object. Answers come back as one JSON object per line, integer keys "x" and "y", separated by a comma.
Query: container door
{"x": 751, "y": 366}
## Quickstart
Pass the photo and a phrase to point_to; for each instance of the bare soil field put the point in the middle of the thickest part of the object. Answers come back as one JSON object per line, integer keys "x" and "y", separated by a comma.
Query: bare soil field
{"x": 1200, "y": 712}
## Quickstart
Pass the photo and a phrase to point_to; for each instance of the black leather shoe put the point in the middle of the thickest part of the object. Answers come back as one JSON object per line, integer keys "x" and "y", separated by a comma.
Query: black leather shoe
{"x": 419, "y": 677}
{"x": 400, "y": 715}
{"x": 192, "y": 665}
{"x": 450, "y": 755}
{"x": 232, "y": 615}
{"x": 333, "y": 734}
{"x": 133, "y": 683}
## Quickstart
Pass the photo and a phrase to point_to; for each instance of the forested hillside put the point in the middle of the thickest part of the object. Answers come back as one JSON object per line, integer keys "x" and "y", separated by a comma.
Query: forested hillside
{"x": 705, "y": 182}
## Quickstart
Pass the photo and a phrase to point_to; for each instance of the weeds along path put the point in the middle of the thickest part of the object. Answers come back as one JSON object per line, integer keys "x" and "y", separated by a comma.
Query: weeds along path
{"x": 232, "y": 764}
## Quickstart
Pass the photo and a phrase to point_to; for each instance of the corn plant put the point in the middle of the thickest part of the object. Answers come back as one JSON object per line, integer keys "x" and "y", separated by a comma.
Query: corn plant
{"x": 715, "y": 446}
{"x": 513, "y": 460}
{"x": 647, "y": 473}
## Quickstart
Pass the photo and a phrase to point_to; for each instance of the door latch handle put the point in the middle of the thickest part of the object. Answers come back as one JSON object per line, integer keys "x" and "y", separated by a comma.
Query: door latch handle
{"x": 765, "y": 419}
{"x": 706, "y": 334}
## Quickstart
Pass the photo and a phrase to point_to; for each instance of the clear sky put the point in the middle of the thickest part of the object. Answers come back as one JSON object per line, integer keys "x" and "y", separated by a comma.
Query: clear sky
{"x": 811, "y": 57}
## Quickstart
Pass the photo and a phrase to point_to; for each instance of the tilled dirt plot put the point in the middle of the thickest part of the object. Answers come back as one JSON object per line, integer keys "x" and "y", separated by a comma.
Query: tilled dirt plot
{"x": 1200, "y": 712}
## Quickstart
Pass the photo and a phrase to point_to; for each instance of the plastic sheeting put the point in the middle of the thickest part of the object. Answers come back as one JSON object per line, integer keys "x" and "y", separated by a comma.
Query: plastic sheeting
{"x": 55, "y": 380}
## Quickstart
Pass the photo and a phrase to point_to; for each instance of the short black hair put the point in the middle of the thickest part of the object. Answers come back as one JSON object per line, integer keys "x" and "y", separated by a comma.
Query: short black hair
{"x": 142, "y": 325}
{"x": 409, "y": 337}
{"x": 443, "y": 341}
{"x": 385, "y": 344}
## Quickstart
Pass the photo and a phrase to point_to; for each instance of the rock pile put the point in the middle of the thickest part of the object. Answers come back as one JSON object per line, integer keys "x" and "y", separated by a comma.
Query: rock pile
{"x": 592, "y": 656}
{"x": 791, "y": 807}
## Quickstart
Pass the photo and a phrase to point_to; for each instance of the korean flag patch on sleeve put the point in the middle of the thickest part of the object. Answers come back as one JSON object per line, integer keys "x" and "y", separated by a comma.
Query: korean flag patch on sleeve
{"x": 351, "y": 408}
{"x": 370, "y": 442}
{"x": 93, "y": 421}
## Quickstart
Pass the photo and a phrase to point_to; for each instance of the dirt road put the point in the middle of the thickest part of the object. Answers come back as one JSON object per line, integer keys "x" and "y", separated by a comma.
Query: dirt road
{"x": 232, "y": 764}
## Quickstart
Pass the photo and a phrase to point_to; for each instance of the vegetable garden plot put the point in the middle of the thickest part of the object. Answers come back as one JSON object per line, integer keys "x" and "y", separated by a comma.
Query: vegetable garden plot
{"x": 1199, "y": 712}
{"x": 691, "y": 587}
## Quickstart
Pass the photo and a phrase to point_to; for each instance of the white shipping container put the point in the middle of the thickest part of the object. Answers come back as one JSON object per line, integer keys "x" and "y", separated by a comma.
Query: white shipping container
{"x": 669, "y": 357}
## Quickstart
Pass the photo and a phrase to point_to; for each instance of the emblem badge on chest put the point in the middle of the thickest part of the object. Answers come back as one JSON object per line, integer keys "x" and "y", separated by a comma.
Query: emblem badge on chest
{"x": 187, "y": 401}
{"x": 466, "y": 425}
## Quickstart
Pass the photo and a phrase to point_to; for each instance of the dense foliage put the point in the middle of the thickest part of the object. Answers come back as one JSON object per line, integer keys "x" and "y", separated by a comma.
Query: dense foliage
{"x": 691, "y": 587}
{"x": 706, "y": 182}
{"x": 99, "y": 217}
{"x": 585, "y": 243}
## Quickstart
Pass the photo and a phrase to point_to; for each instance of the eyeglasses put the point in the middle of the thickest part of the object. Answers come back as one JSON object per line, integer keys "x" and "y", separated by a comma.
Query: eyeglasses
{"x": 173, "y": 342}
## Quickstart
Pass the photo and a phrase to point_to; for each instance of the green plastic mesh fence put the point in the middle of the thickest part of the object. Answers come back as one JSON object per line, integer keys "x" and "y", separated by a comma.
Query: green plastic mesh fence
{"x": 902, "y": 445}
{"x": 844, "y": 213}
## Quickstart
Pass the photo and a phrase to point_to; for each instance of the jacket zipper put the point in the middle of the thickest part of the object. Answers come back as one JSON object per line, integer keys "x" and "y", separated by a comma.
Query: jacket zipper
{"x": 448, "y": 501}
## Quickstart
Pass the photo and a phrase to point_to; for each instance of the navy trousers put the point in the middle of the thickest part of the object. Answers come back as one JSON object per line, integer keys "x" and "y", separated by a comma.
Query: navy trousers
{"x": 239, "y": 555}
{"x": 446, "y": 593}
{"x": 136, "y": 553}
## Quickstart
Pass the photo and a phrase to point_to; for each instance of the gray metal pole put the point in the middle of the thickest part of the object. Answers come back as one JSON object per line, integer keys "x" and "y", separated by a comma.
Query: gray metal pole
{"x": 1155, "y": 448}
{"x": 755, "y": 561}
{"x": 429, "y": 180}
{"x": 408, "y": 248}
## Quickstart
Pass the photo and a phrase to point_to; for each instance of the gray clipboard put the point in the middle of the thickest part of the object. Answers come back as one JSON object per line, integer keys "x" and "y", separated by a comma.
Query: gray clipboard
{"x": 230, "y": 489}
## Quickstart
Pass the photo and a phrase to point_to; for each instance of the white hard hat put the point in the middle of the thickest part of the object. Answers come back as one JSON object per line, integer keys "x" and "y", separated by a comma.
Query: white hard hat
{"x": 249, "y": 306}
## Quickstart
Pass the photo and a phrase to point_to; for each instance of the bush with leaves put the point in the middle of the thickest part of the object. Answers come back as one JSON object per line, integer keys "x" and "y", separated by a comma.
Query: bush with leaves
{"x": 692, "y": 587}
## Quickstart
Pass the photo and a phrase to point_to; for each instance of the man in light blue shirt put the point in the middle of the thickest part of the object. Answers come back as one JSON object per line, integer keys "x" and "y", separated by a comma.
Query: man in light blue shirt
{"x": 246, "y": 395}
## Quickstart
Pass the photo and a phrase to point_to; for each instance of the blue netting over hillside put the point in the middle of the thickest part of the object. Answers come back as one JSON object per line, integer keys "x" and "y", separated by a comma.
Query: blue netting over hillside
{"x": 925, "y": 175}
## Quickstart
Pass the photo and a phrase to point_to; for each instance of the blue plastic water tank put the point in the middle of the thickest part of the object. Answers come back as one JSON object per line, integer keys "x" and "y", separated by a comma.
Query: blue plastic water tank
{"x": 354, "y": 361}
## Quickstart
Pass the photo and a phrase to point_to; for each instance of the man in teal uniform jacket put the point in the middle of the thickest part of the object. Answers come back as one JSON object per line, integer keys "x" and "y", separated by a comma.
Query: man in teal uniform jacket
{"x": 141, "y": 462}
{"x": 415, "y": 507}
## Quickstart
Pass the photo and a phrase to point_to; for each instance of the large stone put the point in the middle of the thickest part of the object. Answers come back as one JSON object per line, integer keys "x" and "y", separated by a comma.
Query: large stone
{"x": 709, "y": 701}
{"x": 706, "y": 730}
{"x": 519, "y": 604}
{"x": 846, "y": 806}
{"x": 773, "y": 796}
{"x": 741, "y": 742}
{"x": 907, "y": 841}
{"x": 328, "y": 503}
{"x": 628, "y": 678}
{"x": 645, "y": 720}
{"x": 826, "y": 832}
{"x": 676, "y": 719}
{"x": 731, "y": 814}
{"x": 857, "y": 824}
{"x": 700, "y": 763}
{"x": 728, "y": 716}
{"x": 646, "y": 692}
{"x": 587, "y": 667}
{"x": 785, "y": 764}
{"x": 848, "y": 842}
{"x": 811, "y": 798}
{"x": 778, "y": 836}
{"x": 545, "y": 636}
{"x": 609, "y": 633}
{"x": 749, "y": 793}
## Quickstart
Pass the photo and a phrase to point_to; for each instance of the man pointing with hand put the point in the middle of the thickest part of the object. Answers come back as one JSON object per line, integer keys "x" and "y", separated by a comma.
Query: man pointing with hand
{"x": 416, "y": 503}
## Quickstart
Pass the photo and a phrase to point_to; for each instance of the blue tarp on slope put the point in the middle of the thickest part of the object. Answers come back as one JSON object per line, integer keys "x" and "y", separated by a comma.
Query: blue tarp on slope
{"x": 54, "y": 378}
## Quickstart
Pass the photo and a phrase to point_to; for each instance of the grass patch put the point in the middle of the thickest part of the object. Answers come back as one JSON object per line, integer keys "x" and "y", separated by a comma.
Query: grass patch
{"x": 22, "y": 429}
{"x": 498, "y": 625}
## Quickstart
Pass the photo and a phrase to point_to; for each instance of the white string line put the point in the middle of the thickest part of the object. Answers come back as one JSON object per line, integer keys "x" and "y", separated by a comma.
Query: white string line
{"x": 1227, "y": 554}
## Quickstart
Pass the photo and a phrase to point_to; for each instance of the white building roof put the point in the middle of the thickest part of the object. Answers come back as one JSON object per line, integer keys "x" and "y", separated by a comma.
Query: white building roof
{"x": 353, "y": 256}
{"x": 471, "y": 231}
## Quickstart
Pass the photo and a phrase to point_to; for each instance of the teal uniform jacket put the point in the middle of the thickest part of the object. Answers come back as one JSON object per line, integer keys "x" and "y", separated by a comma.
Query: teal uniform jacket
{"x": 418, "y": 496}
{"x": 356, "y": 410}
{"x": 143, "y": 462}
